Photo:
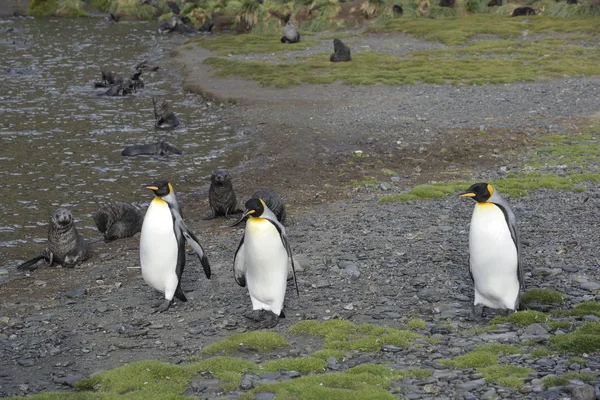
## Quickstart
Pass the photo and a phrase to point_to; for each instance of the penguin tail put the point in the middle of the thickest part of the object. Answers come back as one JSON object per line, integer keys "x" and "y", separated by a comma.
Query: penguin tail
{"x": 179, "y": 294}
{"x": 205, "y": 266}
{"x": 30, "y": 262}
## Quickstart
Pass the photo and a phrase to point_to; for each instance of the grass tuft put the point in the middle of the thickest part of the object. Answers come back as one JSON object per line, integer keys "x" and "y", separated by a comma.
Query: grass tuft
{"x": 542, "y": 296}
{"x": 522, "y": 318}
{"x": 417, "y": 323}
{"x": 303, "y": 365}
{"x": 561, "y": 380}
{"x": 506, "y": 375}
{"x": 262, "y": 341}
{"x": 483, "y": 356}
{"x": 581, "y": 310}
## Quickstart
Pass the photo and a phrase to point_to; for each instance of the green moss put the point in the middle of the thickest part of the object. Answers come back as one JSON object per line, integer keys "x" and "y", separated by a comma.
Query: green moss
{"x": 581, "y": 310}
{"x": 506, "y": 375}
{"x": 576, "y": 343}
{"x": 592, "y": 328}
{"x": 554, "y": 325}
{"x": 523, "y": 318}
{"x": 540, "y": 352}
{"x": 542, "y": 296}
{"x": 325, "y": 354}
{"x": 344, "y": 335}
{"x": 303, "y": 365}
{"x": 416, "y": 323}
{"x": 42, "y": 8}
{"x": 365, "y": 182}
{"x": 581, "y": 361}
{"x": 561, "y": 380}
{"x": 455, "y": 31}
{"x": 482, "y": 356}
{"x": 262, "y": 341}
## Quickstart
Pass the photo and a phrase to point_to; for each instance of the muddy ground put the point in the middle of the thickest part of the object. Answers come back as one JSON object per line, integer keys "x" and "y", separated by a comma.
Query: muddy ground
{"x": 57, "y": 325}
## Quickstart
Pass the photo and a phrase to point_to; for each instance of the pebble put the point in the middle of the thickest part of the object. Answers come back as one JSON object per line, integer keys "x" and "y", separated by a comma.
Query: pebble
{"x": 590, "y": 286}
{"x": 351, "y": 269}
{"x": 3, "y": 271}
{"x": 471, "y": 385}
{"x": 75, "y": 293}
{"x": 584, "y": 392}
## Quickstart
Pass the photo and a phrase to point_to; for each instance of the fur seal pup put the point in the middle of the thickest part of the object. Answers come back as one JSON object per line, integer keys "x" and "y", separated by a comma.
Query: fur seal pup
{"x": 65, "y": 246}
{"x": 341, "y": 52}
{"x": 273, "y": 201}
{"x": 397, "y": 10}
{"x": 221, "y": 196}
{"x": 163, "y": 116}
{"x": 495, "y": 260}
{"x": 290, "y": 33}
{"x": 447, "y": 3}
{"x": 262, "y": 261}
{"x": 162, "y": 244}
{"x": 108, "y": 79}
{"x": 520, "y": 11}
{"x": 117, "y": 220}
{"x": 156, "y": 149}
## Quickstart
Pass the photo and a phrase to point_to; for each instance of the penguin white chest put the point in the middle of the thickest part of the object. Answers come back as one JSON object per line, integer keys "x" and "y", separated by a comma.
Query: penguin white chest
{"x": 266, "y": 265}
{"x": 493, "y": 258}
{"x": 158, "y": 246}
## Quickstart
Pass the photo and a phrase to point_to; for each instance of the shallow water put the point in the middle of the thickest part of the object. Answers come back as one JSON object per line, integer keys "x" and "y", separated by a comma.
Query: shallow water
{"x": 61, "y": 142}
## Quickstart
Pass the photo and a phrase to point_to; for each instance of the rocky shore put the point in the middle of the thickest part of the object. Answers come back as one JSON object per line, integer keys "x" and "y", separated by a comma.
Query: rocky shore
{"x": 332, "y": 152}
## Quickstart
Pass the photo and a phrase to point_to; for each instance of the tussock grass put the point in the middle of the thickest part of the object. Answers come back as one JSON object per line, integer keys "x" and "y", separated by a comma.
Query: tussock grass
{"x": 542, "y": 296}
{"x": 303, "y": 365}
{"x": 506, "y": 375}
{"x": 585, "y": 339}
{"x": 483, "y": 62}
{"x": 581, "y": 310}
{"x": 561, "y": 380}
{"x": 482, "y": 357}
{"x": 455, "y": 31}
{"x": 522, "y": 318}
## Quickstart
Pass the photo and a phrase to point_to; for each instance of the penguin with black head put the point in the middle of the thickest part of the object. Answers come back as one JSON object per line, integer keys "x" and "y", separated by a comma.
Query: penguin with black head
{"x": 162, "y": 245}
{"x": 262, "y": 261}
{"x": 495, "y": 260}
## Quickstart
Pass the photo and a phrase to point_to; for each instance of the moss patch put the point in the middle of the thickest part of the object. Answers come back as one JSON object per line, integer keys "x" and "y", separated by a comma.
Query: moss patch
{"x": 581, "y": 310}
{"x": 482, "y": 356}
{"x": 344, "y": 335}
{"x": 506, "y": 375}
{"x": 540, "y": 352}
{"x": 561, "y": 380}
{"x": 576, "y": 343}
{"x": 416, "y": 323}
{"x": 542, "y": 296}
{"x": 522, "y": 318}
{"x": 262, "y": 341}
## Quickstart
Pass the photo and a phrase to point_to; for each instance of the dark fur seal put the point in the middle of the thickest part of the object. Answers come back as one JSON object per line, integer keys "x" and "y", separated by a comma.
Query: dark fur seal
{"x": 108, "y": 79}
{"x": 494, "y": 3}
{"x": 273, "y": 201}
{"x": 116, "y": 219}
{"x": 145, "y": 66}
{"x": 163, "y": 116}
{"x": 175, "y": 24}
{"x": 397, "y": 10}
{"x": 65, "y": 246}
{"x": 290, "y": 33}
{"x": 155, "y": 149}
{"x": 207, "y": 27}
{"x": 447, "y": 3}
{"x": 221, "y": 196}
{"x": 173, "y": 7}
{"x": 341, "y": 52}
{"x": 519, "y": 11}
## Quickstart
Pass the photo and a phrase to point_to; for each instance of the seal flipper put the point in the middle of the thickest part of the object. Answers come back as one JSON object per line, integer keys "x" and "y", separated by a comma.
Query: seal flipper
{"x": 30, "y": 262}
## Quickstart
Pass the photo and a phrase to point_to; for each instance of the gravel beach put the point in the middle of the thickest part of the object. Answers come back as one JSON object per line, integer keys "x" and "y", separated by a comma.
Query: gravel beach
{"x": 358, "y": 259}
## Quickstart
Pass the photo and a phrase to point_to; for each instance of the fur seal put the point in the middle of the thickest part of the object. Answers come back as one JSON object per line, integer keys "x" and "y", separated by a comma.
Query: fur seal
{"x": 447, "y": 3}
{"x": 156, "y": 149}
{"x": 173, "y": 7}
{"x": 163, "y": 116}
{"x": 341, "y": 52}
{"x": 519, "y": 11}
{"x": 145, "y": 66}
{"x": 65, "y": 246}
{"x": 221, "y": 196}
{"x": 207, "y": 27}
{"x": 290, "y": 33}
{"x": 397, "y": 10}
{"x": 273, "y": 201}
{"x": 116, "y": 219}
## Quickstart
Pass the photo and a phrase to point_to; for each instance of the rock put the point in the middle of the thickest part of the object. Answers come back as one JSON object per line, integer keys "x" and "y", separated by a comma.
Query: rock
{"x": 3, "y": 271}
{"x": 429, "y": 295}
{"x": 301, "y": 262}
{"x": 590, "y": 286}
{"x": 536, "y": 329}
{"x": 584, "y": 392}
{"x": 68, "y": 380}
{"x": 333, "y": 364}
{"x": 471, "y": 385}
{"x": 75, "y": 293}
{"x": 351, "y": 270}
{"x": 248, "y": 381}
{"x": 391, "y": 348}
{"x": 418, "y": 282}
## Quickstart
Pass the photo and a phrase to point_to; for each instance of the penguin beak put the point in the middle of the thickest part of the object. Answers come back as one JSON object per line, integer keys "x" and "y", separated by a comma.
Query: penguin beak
{"x": 244, "y": 215}
{"x": 151, "y": 187}
{"x": 467, "y": 194}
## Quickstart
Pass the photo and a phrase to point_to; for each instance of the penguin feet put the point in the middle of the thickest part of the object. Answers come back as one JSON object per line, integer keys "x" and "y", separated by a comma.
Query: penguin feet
{"x": 262, "y": 319}
{"x": 163, "y": 306}
{"x": 255, "y": 315}
{"x": 477, "y": 313}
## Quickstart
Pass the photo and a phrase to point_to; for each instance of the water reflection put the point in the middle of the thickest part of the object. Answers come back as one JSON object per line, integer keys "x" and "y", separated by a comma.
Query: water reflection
{"x": 61, "y": 143}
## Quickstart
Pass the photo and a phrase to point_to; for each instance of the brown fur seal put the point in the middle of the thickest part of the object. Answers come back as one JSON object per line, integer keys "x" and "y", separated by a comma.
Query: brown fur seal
{"x": 341, "y": 52}
{"x": 117, "y": 219}
{"x": 163, "y": 116}
{"x": 154, "y": 149}
{"x": 273, "y": 201}
{"x": 221, "y": 196}
{"x": 65, "y": 246}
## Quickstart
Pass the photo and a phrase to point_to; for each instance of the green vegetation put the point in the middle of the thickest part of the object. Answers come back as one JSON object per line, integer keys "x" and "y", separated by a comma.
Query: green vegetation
{"x": 576, "y": 343}
{"x": 417, "y": 323}
{"x": 303, "y": 365}
{"x": 542, "y": 296}
{"x": 540, "y": 352}
{"x": 477, "y": 63}
{"x": 251, "y": 43}
{"x": 581, "y": 310}
{"x": 362, "y": 382}
{"x": 581, "y": 361}
{"x": 561, "y": 380}
{"x": 506, "y": 375}
{"x": 456, "y": 31}
{"x": 40, "y": 8}
{"x": 261, "y": 341}
{"x": 523, "y": 318}
{"x": 554, "y": 325}
{"x": 482, "y": 356}
{"x": 571, "y": 150}
{"x": 344, "y": 335}
{"x": 369, "y": 180}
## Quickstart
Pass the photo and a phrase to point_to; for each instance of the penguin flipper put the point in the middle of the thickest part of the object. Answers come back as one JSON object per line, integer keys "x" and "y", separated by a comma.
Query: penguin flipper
{"x": 179, "y": 294}
{"x": 239, "y": 265}
{"x": 192, "y": 240}
{"x": 30, "y": 262}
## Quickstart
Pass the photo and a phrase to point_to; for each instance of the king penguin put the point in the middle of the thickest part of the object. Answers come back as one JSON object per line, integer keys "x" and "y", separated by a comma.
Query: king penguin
{"x": 495, "y": 261}
{"x": 162, "y": 244}
{"x": 262, "y": 261}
